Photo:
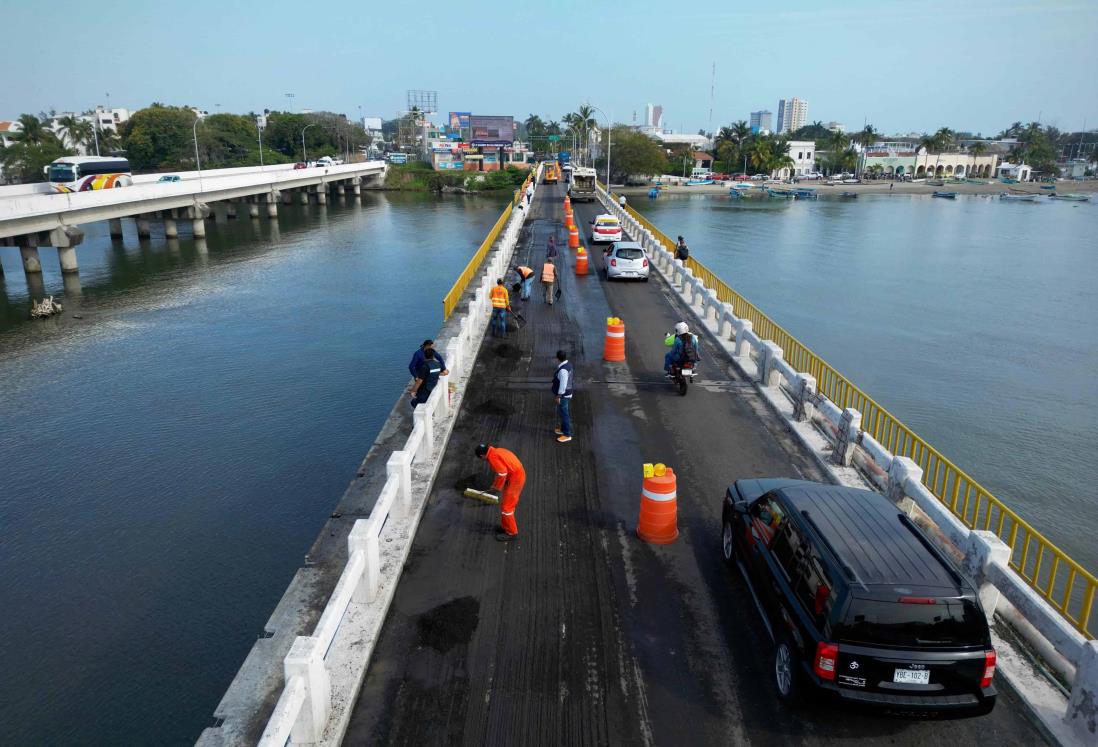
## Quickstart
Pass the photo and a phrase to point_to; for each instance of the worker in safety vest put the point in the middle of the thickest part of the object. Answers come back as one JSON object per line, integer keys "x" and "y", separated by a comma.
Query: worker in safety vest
{"x": 526, "y": 277}
{"x": 548, "y": 279}
{"x": 510, "y": 478}
{"x": 501, "y": 304}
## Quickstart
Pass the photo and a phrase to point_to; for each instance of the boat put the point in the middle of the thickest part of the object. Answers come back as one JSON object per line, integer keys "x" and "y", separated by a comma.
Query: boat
{"x": 946, "y": 195}
{"x": 1008, "y": 180}
{"x": 936, "y": 182}
{"x": 804, "y": 193}
{"x": 1017, "y": 198}
{"x": 849, "y": 195}
{"x": 654, "y": 193}
{"x": 698, "y": 182}
{"x": 1048, "y": 186}
{"x": 780, "y": 193}
{"x": 1071, "y": 197}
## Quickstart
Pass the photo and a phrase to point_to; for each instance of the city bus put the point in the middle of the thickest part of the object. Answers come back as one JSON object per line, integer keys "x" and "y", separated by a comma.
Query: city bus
{"x": 85, "y": 173}
{"x": 552, "y": 173}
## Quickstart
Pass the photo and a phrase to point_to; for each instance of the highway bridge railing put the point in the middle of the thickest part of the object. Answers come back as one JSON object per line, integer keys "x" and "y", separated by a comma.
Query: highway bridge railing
{"x": 1049, "y": 597}
{"x": 322, "y": 672}
{"x": 451, "y": 300}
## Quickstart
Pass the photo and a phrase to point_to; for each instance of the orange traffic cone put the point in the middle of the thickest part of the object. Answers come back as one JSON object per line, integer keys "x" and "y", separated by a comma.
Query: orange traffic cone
{"x": 659, "y": 510}
{"x": 581, "y": 261}
{"x": 573, "y": 236}
{"x": 567, "y": 204}
{"x": 614, "y": 347}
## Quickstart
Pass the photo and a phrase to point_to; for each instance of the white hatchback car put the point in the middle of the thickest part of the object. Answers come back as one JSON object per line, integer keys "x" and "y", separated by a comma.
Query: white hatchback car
{"x": 626, "y": 259}
{"x": 605, "y": 228}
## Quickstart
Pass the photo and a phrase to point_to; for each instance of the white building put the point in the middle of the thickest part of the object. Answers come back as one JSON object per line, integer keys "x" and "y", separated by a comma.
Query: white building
{"x": 1021, "y": 171}
{"x": 792, "y": 114}
{"x": 8, "y": 131}
{"x": 761, "y": 120}
{"x": 697, "y": 142}
{"x": 836, "y": 127}
{"x": 803, "y": 155}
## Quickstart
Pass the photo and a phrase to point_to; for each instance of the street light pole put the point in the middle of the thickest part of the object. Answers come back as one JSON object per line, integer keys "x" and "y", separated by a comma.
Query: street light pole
{"x": 194, "y": 131}
{"x": 304, "y": 156}
{"x": 259, "y": 129}
{"x": 608, "y": 128}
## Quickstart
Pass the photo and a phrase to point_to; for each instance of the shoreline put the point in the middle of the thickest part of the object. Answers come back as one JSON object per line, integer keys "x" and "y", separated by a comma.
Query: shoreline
{"x": 898, "y": 188}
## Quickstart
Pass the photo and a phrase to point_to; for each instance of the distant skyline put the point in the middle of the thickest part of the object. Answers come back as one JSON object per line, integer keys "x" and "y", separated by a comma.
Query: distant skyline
{"x": 969, "y": 68}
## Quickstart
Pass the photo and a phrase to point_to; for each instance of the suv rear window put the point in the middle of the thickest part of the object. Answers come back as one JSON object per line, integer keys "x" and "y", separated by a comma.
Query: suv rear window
{"x": 946, "y": 623}
{"x": 630, "y": 253}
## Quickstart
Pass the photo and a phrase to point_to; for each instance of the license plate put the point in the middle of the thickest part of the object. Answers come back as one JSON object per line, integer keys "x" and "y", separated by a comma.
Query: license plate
{"x": 912, "y": 676}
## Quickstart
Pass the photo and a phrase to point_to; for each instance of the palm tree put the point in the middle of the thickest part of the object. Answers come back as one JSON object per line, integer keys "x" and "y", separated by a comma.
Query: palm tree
{"x": 535, "y": 126}
{"x": 77, "y": 131}
{"x": 943, "y": 139}
{"x": 583, "y": 118}
{"x": 867, "y": 137}
{"x": 109, "y": 140}
{"x": 928, "y": 142}
{"x": 976, "y": 150}
{"x": 33, "y": 131}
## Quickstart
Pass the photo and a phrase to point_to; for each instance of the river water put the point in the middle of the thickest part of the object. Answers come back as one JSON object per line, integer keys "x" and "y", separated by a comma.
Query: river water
{"x": 974, "y": 321}
{"x": 167, "y": 459}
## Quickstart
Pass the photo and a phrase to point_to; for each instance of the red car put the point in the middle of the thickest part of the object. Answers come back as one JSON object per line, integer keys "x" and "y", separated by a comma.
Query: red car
{"x": 300, "y": 165}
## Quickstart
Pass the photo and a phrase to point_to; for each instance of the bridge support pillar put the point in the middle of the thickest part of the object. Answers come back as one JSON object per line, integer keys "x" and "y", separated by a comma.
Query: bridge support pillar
{"x": 66, "y": 257}
{"x": 850, "y": 425}
{"x": 32, "y": 263}
{"x": 116, "y": 228}
{"x": 230, "y": 209}
{"x": 171, "y": 228}
{"x": 340, "y": 190}
{"x": 253, "y": 209}
{"x": 322, "y": 194}
{"x": 272, "y": 205}
{"x": 304, "y": 198}
{"x": 356, "y": 186}
{"x": 197, "y": 214}
{"x": 144, "y": 231}
{"x": 198, "y": 227}
{"x": 287, "y": 197}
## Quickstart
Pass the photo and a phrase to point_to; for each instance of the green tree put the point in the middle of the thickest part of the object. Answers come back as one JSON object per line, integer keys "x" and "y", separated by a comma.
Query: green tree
{"x": 633, "y": 154}
{"x": 927, "y": 143}
{"x": 23, "y": 163}
{"x": 33, "y": 131}
{"x": 816, "y": 132}
{"x": 976, "y": 150}
{"x": 77, "y": 131}
{"x": 944, "y": 139}
{"x": 158, "y": 138}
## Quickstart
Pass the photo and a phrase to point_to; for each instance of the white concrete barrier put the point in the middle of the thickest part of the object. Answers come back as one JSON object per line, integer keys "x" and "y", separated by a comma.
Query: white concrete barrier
{"x": 835, "y": 437}
{"x": 324, "y": 671}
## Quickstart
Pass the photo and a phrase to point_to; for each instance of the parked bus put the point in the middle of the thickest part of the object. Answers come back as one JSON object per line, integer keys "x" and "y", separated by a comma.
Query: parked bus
{"x": 85, "y": 173}
{"x": 552, "y": 173}
{"x": 583, "y": 184}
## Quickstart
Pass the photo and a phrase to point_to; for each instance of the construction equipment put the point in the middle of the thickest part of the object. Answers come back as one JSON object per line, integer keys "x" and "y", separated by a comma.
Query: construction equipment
{"x": 482, "y": 495}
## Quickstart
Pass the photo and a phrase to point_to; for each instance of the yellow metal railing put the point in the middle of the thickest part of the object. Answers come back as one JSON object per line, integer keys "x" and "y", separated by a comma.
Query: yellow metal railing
{"x": 451, "y": 299}
{"x": 1063, "y": 582}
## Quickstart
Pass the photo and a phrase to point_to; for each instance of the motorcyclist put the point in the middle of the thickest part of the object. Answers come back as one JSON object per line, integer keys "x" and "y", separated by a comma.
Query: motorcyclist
{"x": 680, "y": 341}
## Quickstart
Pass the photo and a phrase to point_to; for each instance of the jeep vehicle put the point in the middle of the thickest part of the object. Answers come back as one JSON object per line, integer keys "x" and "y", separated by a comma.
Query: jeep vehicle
{"x": 861, "y": 606}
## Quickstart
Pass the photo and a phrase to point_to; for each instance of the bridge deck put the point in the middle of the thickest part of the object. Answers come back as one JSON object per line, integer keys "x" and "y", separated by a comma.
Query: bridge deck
{"x": 579, "y": 633}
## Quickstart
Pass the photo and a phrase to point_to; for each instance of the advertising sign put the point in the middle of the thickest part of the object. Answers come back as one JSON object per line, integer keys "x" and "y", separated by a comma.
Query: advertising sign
{"x": 459, "y": 120}
{"x": 492, "y": 130}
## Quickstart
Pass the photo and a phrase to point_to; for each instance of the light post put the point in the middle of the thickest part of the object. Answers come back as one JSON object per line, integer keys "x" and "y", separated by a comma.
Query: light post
{"x": 304, "y": 156}
{"x": 95, "y": 128}
{"x": 259, "y": 129}
{"x": 194, "y": 131}
{"x": 608, "y": 128}
{"x": 290, "y": 96}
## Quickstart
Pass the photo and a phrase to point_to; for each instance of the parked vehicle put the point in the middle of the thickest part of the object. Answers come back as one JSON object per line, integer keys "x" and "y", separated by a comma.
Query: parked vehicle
{"x": 860, "y": 604}
{"x": 169, "y": 178}
{"x": 626, "y": 259}
{"x": 605, "y": 228}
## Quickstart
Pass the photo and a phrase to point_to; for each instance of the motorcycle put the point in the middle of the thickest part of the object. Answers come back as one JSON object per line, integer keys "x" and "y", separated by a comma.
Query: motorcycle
{"x": 682, "y": 374}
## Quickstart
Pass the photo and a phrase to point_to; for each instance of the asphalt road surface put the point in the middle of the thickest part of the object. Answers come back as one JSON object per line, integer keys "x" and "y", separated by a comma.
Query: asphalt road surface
{"x": 578, "y": 632}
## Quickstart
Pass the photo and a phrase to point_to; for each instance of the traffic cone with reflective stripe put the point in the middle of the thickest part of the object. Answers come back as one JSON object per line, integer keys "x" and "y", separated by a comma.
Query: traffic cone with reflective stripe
{"x": 659, "y": 511}
{"x": 581, "y": 261}
{"x": 573, "y": 236}
{"x": 614, "y": 348}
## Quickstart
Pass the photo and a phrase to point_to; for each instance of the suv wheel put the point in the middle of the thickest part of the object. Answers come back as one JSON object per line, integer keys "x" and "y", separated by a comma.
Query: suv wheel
{"x": 728, "y": 544}
{"x": 786, "y": 667}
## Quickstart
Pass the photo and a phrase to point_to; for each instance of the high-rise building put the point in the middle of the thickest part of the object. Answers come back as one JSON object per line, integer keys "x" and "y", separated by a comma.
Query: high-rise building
{"x": 792, "y": 114}
{"x": 657, "y": 116}
{"x": 761, "y": 120}
{"x": 648, "y": 115}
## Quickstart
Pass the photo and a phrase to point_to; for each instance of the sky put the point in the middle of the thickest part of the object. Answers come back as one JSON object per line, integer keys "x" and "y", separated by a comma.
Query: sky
{"x": 901, "y": 65}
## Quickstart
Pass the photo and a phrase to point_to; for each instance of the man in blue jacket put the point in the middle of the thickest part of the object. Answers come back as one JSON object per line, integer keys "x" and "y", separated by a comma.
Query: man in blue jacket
{"x": 684, "y": 347}
{"x": 420, "y": 355}
{"x": 562, "y": 390}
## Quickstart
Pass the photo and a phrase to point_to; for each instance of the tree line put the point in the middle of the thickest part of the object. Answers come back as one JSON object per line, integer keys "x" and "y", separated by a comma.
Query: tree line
{"x": 162, "y": 138}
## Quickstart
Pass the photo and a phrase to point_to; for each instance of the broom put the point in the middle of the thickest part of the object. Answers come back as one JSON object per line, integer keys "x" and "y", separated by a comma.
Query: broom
{"x": 481, "y": 495}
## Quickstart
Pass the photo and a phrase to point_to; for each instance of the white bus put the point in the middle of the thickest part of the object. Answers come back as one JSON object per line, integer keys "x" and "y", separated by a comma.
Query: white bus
{"x": 84, "y": 173}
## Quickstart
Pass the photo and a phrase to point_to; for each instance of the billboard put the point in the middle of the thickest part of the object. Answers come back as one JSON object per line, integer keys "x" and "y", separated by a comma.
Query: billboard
{"x": 492, "y": 130}
{"x": 459, "y": 121}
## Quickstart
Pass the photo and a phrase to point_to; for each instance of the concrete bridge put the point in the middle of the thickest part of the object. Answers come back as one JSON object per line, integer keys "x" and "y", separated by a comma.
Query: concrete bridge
{"x": 29, "y": 220}
{"x": 409, "y": 624}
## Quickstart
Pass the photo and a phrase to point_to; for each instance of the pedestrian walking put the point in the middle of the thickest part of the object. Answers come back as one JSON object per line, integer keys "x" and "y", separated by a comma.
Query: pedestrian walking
{"x": 621, "y": 201}
{"x": 681, "y": 252}
{"x": 501, "y": 304}
{"x": 426, "y": 378}
{"x": 526, "y": 277}
{"x": 529, "y": 193}
{"x": 510, "y": 478}
{"x": 562, "y": 390}
{"x": 548, "y": 280}
{"x": 551, "y": 252}
{"x": 421, "y": 354}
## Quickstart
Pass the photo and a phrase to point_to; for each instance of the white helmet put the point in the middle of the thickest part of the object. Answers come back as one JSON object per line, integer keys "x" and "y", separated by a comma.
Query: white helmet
{"x": 681, "y": 328}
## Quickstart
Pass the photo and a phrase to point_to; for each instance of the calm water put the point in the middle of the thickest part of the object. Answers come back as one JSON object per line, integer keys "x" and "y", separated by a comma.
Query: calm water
{"x": 167, "y": 459}
{"x": 973, "y": 321}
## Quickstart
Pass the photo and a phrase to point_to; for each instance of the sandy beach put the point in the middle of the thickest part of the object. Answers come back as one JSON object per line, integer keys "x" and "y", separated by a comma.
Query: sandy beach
{"x": 884, "y": 187}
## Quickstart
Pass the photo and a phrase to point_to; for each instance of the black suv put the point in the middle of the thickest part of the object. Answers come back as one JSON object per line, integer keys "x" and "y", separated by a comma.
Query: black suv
{"x": 858, "y": 601}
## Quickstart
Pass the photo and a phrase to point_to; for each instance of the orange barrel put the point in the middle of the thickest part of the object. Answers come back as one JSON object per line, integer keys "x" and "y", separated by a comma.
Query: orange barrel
{"x": 614, "y": 348}
{"x": 568, "y": 216}
{"x": 659, "y": 511}
{"x": 567, "y": 204}
{"x": 573, "y": 236}
{"x": 581, "y": 261}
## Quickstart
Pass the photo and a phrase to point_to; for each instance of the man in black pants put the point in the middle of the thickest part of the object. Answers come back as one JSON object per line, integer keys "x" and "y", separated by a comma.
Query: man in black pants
{"x": 426, "y": 378}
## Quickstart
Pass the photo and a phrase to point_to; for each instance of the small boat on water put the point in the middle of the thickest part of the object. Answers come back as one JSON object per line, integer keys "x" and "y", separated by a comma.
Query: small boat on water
{"x": 1017, "y": 198}
{"x": 849, "y": 195}
{"x": 698, "y": 182}
{"x": 804, "y": 193}
{"x": 1008, "y": 180}
{"x": 781, "y": 193}
{"x": 1048, "y": 186}
{"x": 1071, "y": 197}
{"x": 946, "y": 195}
{"x": 654, "y": 193}
{"x": 936, "y": 182}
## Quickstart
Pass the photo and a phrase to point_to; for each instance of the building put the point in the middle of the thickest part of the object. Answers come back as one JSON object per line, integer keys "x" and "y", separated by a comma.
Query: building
{"x": 792, "y": 114}
{"x": 674, "y": 138}
{"x": 836, "y": 127}
{"x": 761, "y": 120}
{"x": 1023, "y": 172}
{"x": 803, "y": 155}
{"x": 653, "y": 115}
{"x": 702, "y": 160}
{"x": 8, "y": 132}
{"x": 905, "y": 158}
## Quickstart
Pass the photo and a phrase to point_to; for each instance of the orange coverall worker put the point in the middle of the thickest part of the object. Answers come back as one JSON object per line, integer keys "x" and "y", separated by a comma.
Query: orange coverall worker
{"x": 511, "y": 477}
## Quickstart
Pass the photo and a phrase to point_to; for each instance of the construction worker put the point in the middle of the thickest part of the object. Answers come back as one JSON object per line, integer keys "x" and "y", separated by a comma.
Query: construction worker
{"x": 510, "y": 478}
{"x": 562, "y": 391}
{"x": 501, "y": 304}
{"x": 548, "y": 279}
{"x": 526, "y": 277}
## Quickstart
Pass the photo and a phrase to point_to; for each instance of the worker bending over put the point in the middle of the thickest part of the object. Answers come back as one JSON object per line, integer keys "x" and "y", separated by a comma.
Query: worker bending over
{"x": 510, "y": 478}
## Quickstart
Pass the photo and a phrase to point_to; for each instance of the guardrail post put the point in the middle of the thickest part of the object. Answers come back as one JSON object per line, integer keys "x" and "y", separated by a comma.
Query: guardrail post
{"x": 306, "y": 660}
{"x": 400, "y": 466}
{"x": 442, "y": 392}
{"x": 453, "y": 353}
{"x": 1082, "y": 710}
{"x": 712, "y": 307}
{"x": 423, "y": 417}
{"x": 804, "y": 408}
{"x": 984, "y": 549}
{"x": 363, "y": 539}
{"x": 850, "y": 425}
{"x": 742, "y": 327}
{"x": 769, "y": 375}
{"x": 901, "y": 472}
